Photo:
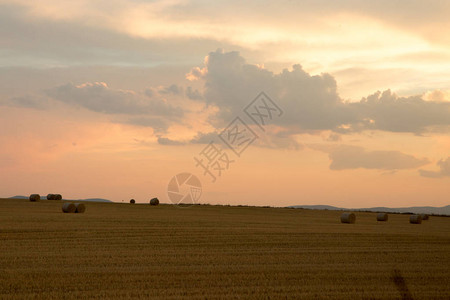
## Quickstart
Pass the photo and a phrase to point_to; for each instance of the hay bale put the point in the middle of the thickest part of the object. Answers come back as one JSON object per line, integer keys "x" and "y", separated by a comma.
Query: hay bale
{"x": 69, "y": 207}
{"x": 349, "y": 218}
{"x": 35, "y": 197}
{"x": 154, "y": 201}
{"x": 57, "y": 197}
{"x": 132, "y": 201}
{"x": 51, "y": 197}
{"x": 382, "y": 217}
{"x": 424, "y": 217}
{"x": 79, "y": 208}
{"x": 415, "y": 219}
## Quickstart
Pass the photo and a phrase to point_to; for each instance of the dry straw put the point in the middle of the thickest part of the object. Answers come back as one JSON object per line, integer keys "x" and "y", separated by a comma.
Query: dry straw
{"x": 415, "y": 219}
{"x": 35, "y": 197}
{"x": 57, "y": 197}
{"x": 132, "y": 201}
{"x": 348, "y": 218}
{"x": 154, "y": 201}
{"x": 424, "y": 217}
{"x": 383, "y": 217}
{"x": 69, "y": 207}
{"x": 51, "y": 197}
{"x": 79, "y": 208}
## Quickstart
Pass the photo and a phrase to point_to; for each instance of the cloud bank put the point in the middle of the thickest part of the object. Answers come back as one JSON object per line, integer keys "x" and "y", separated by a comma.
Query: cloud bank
{"x": 444, "y": 170}
{"x": 98, "y": 97}
{"x": 311, "y": 102}
{"x": 353, "y": 157}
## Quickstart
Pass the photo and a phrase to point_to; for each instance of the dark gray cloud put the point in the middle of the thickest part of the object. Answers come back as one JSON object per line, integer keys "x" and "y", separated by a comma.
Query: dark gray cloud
{"x": 18, "y": 81}
{"x": 172, "y": 89}
{"x": 193, "y": 94}
{"x": 444, "y": 170}
{"x": 30, "y": 101}
{"x": 205, "y": 138}
{"x": 99, "y": 97}
{"x": 311, "y": 102}
{"x": 149, "y": 92}
{"x": 167, "y": 141}
{"x": 345, "y": 157}
{"x": 334, "y": 137}
{"x": 388, "y": 112}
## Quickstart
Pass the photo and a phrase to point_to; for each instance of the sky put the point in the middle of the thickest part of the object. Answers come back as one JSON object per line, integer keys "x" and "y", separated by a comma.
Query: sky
{"x": 344, "y": 103}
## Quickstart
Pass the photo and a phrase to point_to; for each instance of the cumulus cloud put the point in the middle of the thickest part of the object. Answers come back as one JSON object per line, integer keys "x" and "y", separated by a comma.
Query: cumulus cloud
{"x": 193, "y": 94}
{"x": 172, "y": 89}
{"x": 196, "y": 72}
{"x": 98, "y": 97}
{"x": 386, "y": 111}
{"x": 437, "y": 95}
{"x": 149, "y": 108}
{"x": 311, "y": 102}
{"x": 345, "y": 157}
{"x": 334, "y": 137}
{"x": 444, "y": 170}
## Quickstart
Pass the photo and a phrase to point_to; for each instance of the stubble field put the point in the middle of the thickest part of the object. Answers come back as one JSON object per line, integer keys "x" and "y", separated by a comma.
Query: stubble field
{"x": 142, "y": 251}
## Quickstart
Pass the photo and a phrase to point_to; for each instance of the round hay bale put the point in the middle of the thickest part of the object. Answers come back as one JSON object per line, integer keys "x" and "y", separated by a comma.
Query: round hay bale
{"x": 132, "y": 201}
{"x": 51, "y": 197}
{"x": 80, "y": 208}
{"x": 68, "y": 207}
{"x": 154, "y": 201}
{"x": 35, "y": 197}
{"x": 383, "y": 217}
{"x": 349, "y": 218}
{"x": 57, "y": 197}
{"x": 415, "y": 219}
{"x": 424, "y": 217}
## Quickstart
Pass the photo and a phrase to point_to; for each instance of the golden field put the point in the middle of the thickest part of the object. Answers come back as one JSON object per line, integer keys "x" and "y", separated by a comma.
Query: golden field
{"x": 209, "y": 252}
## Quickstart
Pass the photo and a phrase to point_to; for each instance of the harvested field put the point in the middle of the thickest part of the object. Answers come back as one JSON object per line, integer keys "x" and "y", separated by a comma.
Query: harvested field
{"x": 126, "y": 251}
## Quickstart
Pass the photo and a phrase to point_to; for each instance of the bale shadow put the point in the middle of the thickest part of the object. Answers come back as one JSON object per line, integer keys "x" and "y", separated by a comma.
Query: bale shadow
{"x": 400, "y": 283}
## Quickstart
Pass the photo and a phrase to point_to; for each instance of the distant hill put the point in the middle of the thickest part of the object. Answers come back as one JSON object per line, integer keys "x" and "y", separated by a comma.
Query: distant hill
{"x": 18, "y": 197}
{"x": 445, "y": 210}
{"x": 95, "y": 200}
{"x": 89, "y": 200}
{"x": 323, "y": 207}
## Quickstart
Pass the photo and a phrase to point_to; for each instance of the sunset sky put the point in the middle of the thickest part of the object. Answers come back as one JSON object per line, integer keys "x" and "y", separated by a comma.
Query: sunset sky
{"x": 111, "y": 99}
